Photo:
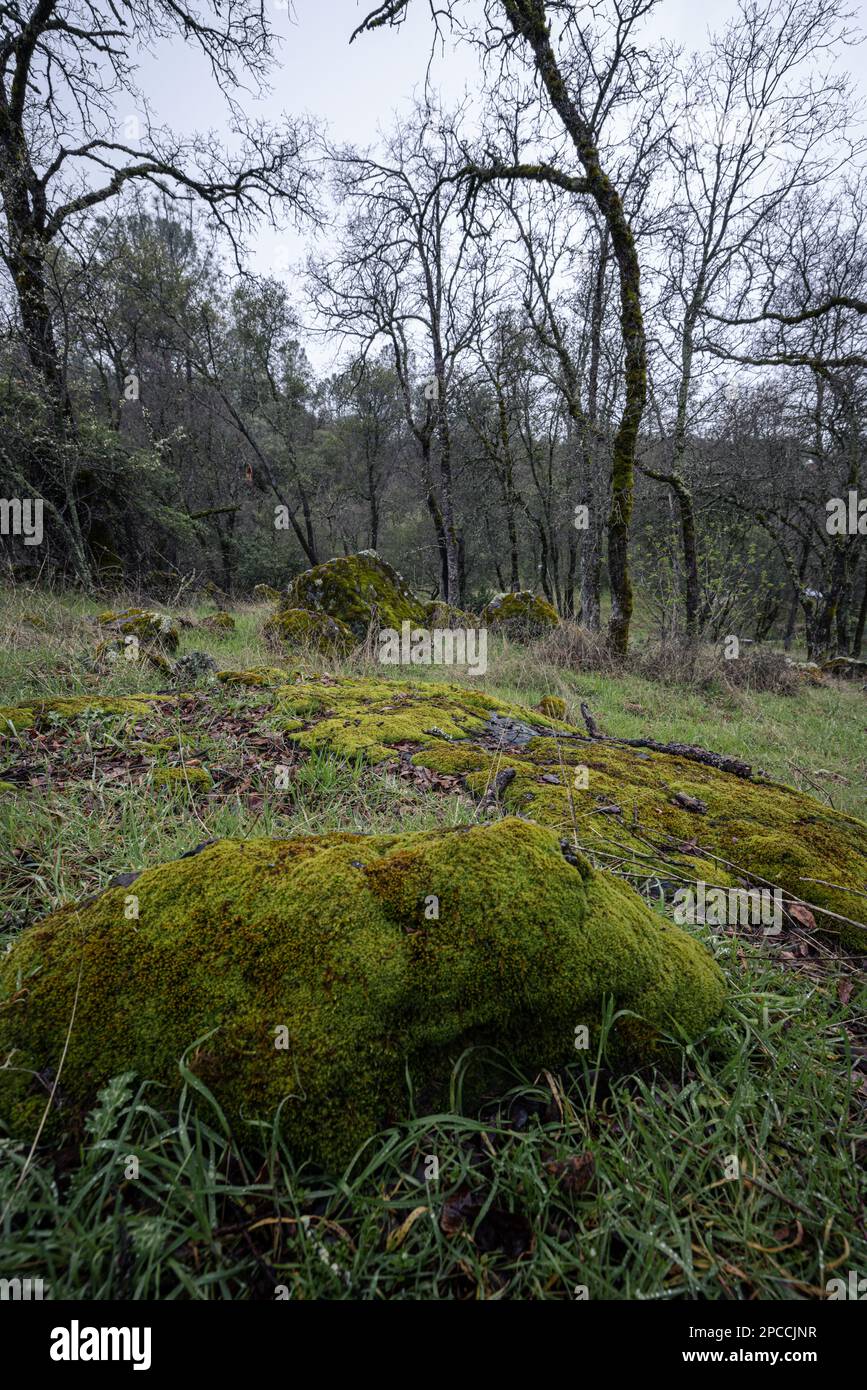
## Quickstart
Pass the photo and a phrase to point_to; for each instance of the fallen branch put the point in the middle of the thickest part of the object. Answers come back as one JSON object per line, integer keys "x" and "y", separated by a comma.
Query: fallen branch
{"x": 722, "y": 761}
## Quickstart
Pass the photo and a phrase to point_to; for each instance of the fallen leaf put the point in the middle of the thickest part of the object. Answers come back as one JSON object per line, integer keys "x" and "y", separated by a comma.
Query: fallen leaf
{"x": 803, "y": 915}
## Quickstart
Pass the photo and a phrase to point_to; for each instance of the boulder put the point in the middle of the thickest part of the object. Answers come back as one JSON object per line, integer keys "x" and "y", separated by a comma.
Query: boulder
{"x": 521, "y": 616}
{"x": 309, "y": 978}
{"x": 752, "y": 827}
{"x": 301, "y": 627}
{"x": 361, "y": 591}
{"x": 846, "y": 667}
{"x": 144, "y": 623}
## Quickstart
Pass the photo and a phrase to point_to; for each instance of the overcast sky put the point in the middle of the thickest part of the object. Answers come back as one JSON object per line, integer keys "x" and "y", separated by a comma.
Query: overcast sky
{"x": 355, "y": 89}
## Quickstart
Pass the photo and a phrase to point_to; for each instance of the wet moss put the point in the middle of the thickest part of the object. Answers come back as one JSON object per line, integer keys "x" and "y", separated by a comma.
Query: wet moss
{"x": 521, "y": 616}
{"x": 308, "y": 976}
{"x": 300, "y": 627}
{"x": 34, "y": 713}
{"x": 146, "y": 624}
{"x": 361, "y": 591}
{"x": 751, "y": 827}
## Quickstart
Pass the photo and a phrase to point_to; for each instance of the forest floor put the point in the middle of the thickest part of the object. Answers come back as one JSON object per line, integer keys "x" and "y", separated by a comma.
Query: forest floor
{"x": 585, "y": 1184}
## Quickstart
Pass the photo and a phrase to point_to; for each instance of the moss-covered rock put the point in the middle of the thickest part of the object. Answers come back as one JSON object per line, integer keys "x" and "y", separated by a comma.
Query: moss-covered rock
{"x": 145, "y": 624}
{"x": 361, "y": 591}
{"x": 114, "y": 649}
{"x": 369, "y": 715}
{"x": 444, "y": 615}
{"x": 300, "y": 627}
{"x": 311, "y": 975}
{"x": 846, "y": 667}
{"x": 521, "y": 616}
{"x": 635, "y": 801}
{"x": 554, "y": 705}
{"x": 219, "y": 622}
{"x": 193, "y": 668}
{"x": 267, "y": 593}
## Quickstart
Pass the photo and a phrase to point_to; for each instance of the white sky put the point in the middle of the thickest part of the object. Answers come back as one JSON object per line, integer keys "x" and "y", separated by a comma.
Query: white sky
{"x": 355, "y": 89}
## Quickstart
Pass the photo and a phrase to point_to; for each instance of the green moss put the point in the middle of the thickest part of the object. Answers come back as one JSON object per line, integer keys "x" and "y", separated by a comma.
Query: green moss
{"x": 370, "y": 716}
{"x": 328, "y": 937}
{"x": 35, "y": 713}
{"x": 761, "y": 828}
{"x": 8, "y": 787}
{"x": 267, "y": 593}
{"x": 553, "y": 705}
{"x": 521, "y": 616}
{"x": 361, "y": 591}
{"x": 443, "y": 615}
{"x": 195, "y": 778}
{"x": 300, "y": 627}
{"x": 146, "y": 624}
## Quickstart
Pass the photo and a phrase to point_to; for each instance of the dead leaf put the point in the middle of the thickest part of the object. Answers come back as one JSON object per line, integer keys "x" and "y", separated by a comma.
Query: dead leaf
{"x": 802, "y": 914}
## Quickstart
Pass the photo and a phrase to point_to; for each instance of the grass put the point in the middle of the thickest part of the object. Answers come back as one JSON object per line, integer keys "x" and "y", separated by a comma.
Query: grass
{"x": 623, "y": 1186}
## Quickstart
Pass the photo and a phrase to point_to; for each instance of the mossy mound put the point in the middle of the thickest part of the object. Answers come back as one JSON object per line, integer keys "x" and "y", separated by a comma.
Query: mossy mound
{"x": 370, "y": 716}
{"x": 301, "y": 627}
{"x": 218, "y": 622}
{"x": 443, "y": 615}
{"x": 554, "y": 705}
{"x": 35, "y": 620}
{"x": 312, "y": 975}
{"x": 145, "y": 624}
{"x": 633, "y": 811}
{"x": 115, "y": 649}
{"x": 521, "y": 616}
{"x": 267, "y": 593}
{"x": 361, "y": 591}
{"x": 34, "y": 713}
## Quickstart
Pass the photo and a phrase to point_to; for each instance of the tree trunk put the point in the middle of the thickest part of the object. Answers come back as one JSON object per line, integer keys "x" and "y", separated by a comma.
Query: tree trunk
{"x": 529, "y": 21}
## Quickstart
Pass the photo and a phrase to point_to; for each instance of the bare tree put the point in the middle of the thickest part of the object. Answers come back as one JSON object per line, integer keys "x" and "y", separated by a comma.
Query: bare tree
{"x": 65, "y": 65}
